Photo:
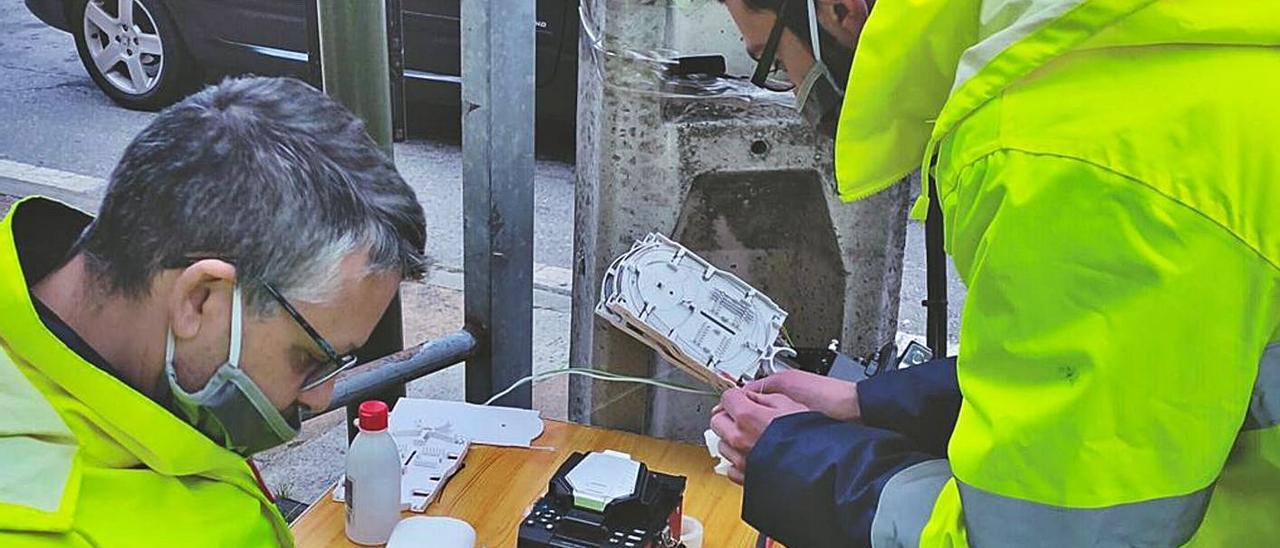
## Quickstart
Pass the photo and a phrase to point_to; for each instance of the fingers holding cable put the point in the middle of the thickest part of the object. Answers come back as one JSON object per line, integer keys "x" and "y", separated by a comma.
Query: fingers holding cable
{"x": 725, "y": 427}
{"x": 736, "y": 475}
{"x": 741, "y": 419}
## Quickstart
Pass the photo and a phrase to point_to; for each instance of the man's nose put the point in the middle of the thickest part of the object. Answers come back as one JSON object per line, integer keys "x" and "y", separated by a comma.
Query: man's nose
{"x": 317, "y": 399}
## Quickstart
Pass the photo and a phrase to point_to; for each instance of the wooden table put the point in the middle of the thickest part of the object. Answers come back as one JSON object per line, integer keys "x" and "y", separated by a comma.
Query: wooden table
{"x": 498, "y": 485}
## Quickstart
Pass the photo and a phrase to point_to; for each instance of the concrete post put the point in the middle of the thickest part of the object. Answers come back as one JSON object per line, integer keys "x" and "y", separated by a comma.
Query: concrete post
{"x": 745, "y": 184}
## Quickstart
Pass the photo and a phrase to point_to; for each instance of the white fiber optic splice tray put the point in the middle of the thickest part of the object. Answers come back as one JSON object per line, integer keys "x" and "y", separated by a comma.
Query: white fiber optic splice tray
{"x": 705, "y": 320}
{"x": 430, "y": 457}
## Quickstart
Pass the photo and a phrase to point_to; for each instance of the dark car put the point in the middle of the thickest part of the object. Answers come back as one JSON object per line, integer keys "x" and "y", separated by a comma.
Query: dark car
{"x": 152, "y": 52}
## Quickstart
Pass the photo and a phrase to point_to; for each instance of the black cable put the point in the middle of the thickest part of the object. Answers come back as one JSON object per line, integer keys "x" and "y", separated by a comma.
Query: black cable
{"x": 935, "y": 302}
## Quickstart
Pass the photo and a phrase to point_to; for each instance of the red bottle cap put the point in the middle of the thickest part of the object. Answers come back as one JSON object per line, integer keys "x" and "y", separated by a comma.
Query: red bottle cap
{"x": 373, "y": 416}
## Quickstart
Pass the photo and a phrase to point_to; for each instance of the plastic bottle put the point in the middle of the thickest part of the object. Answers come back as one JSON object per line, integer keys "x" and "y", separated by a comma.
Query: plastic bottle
{"x": 373, "y": 479}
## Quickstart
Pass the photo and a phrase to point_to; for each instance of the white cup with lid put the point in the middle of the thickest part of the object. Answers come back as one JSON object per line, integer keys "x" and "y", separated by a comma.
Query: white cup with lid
{"x": 433, "y": 531}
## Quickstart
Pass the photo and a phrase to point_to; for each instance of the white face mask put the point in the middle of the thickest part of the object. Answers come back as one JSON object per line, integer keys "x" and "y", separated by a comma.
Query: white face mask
{"x": 231, "y": 410}
{"x": 819, "y": 96}
{"x": 818, "y": 100}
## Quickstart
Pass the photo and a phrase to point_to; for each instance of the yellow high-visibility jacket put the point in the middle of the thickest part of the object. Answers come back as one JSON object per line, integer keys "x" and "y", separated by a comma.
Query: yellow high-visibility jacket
{"x": 86, "y": 460}
{"x": 1109, "y": 176}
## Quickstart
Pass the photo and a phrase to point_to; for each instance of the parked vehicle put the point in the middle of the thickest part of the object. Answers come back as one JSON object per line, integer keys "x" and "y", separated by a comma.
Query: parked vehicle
{"x": 146, "y": 54}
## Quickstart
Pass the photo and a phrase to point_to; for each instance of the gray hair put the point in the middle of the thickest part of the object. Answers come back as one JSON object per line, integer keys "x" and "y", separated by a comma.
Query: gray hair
{"x": 265, "y": 172}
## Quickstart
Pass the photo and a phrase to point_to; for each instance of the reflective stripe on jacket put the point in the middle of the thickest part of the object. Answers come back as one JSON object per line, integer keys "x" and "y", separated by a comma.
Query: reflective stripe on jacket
{"x": 1111, "y": 193}
{"x": 87, "y": 460}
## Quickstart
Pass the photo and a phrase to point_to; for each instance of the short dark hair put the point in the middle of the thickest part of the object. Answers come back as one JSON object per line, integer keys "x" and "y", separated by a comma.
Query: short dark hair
{"x": 839, "y": 59}
{"x": 268, "y": 172}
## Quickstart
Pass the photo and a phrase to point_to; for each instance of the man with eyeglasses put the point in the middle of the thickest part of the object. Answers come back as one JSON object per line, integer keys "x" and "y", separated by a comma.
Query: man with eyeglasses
{"x": 1103, "y": 174}
{"x": 249, "y": 240}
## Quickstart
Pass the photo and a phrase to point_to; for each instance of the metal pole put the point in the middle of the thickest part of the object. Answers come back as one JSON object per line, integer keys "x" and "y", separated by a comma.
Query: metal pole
{"x": 354, "y": 64}
{"x": 354, "y": 386}
{"x": 313, "y": 46}
{"x": 355, "y": 70}
{"x": 395, "y": 58}
{"x": 935, "y": 302}
{"x": 497, "y": 193}
{"x": 395, "y": 54}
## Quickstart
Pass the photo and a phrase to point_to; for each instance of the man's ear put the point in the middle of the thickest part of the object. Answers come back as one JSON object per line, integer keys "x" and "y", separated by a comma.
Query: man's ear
{"x": 193, "y": 292}
{"x": 843, "y": 19}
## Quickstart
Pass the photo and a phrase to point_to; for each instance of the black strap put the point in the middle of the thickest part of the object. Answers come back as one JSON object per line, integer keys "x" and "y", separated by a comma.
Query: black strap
{"x": 935, "y": 302}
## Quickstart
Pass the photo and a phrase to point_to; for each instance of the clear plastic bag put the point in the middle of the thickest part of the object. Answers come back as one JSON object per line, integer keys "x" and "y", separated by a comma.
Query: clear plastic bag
{"x": 646, "y": 41}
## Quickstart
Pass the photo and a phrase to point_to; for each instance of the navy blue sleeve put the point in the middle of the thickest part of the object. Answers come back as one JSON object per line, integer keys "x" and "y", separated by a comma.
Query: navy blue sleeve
{"x": 920, "y": 402}
{"x": 813, "y": 482}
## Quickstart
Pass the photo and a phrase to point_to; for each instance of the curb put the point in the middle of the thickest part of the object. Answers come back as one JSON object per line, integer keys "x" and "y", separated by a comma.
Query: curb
{"x": 19, "y": 179}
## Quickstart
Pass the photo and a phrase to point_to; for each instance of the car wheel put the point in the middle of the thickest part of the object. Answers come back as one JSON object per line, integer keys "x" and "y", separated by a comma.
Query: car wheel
{"x": 132, "y": 50}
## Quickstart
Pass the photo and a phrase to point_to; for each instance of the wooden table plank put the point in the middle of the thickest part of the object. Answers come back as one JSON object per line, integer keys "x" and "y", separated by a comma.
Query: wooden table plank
{"x": 496, "y": 487}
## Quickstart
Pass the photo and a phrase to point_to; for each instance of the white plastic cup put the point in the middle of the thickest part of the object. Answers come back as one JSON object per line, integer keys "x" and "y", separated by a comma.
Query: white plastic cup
{"x": 690, "y": 532}
{"x": 433, "y": 531}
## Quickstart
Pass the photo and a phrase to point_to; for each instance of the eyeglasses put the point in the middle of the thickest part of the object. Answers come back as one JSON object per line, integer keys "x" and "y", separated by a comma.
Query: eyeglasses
{"x": 768, "y": 60}
{"x": 334, "y": 363}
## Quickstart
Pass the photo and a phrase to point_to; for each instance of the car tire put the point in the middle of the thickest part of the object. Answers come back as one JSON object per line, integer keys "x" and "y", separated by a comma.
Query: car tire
{"x": 139, "y": 61}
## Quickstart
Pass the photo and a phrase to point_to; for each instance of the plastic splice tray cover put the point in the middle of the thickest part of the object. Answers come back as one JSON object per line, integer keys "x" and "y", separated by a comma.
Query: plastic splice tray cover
{"x": 479, "y": 424}
{"x": 704, "y": 320}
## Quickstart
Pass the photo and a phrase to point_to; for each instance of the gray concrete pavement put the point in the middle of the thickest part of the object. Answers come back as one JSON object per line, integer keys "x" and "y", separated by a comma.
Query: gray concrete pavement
{"x": 55, "y": 118}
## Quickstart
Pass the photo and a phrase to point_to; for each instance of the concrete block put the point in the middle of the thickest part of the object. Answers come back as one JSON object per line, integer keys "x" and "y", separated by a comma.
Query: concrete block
{"x": 735, "y": 175}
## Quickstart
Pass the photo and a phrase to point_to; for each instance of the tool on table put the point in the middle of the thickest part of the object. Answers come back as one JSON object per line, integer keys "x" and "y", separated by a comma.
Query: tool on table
{"x": 606, "y": 499}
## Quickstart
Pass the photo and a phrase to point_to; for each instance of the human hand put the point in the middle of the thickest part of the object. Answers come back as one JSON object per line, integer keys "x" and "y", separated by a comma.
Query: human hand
{"x": 832, "y": 397}
{"x": 741, "y": 418}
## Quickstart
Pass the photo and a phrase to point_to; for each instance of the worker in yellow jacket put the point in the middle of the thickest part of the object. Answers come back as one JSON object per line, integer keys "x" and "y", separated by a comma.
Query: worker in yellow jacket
{"x": 249, "y": 239}
{"x": 1108, "y": 173}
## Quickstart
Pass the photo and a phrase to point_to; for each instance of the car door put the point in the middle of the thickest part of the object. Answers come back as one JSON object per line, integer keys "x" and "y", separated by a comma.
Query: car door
{"x": 267, "y": 37}
{"x": 432, "y": 39}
